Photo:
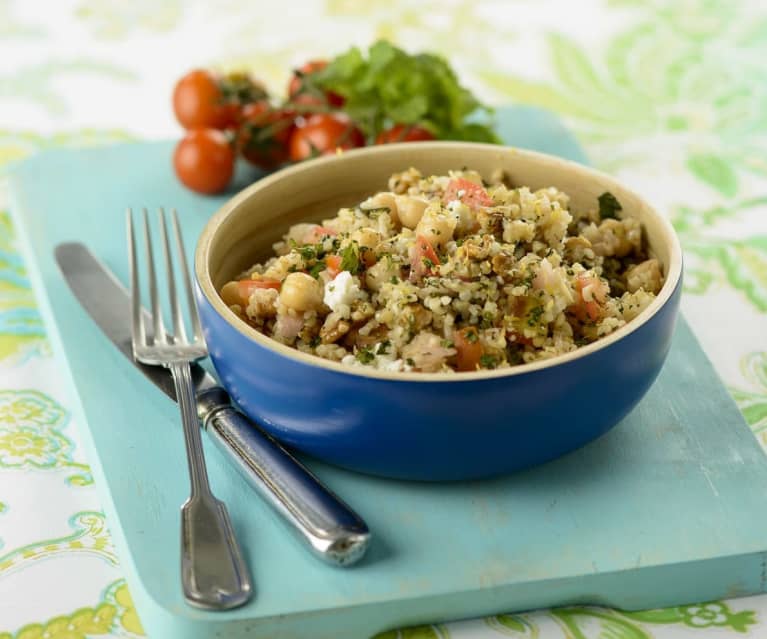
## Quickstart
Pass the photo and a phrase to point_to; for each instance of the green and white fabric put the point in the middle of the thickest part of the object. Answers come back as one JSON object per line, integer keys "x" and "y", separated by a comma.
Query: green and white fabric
{"x": 670, "y": 96}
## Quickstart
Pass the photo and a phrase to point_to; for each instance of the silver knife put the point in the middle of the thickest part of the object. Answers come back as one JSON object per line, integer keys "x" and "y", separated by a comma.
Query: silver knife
{"x": 333, "y": 531}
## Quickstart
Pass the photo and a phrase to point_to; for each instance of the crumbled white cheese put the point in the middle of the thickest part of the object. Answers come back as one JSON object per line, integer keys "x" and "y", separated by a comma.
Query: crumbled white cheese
{"x": 454, "y": 205}
{"x": 341, "y": 291}
{"x": 462, "y": 214}
{"x": 349, "y": 360}
{"x": 391, "y": 365}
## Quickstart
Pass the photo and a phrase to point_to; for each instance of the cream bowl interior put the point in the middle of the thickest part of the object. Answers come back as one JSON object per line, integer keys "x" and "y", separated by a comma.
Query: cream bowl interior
{"x": 242, "y": 232}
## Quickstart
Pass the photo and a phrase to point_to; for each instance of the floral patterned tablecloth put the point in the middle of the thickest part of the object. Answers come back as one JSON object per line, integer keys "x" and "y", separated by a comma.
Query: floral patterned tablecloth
{"x": 668, "y": 95}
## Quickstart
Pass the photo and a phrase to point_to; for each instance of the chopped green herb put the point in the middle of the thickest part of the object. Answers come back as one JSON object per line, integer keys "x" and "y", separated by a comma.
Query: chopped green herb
{"x": 410, "y": 361}
{"x": 488, "y": 361}
{"x": 394, "y": 279}
{"x": 315, "y": 270}
{"x": 350, "y": 258}
{"x": 308, "y": 252}
{"x": 446, "y": 343}
{"x": 471, "y": 336}
{"x": 315, "y": 341}
{"x": 365, "y": 355}
{"x": 383, "y": 347}
{"x": 534, "y": 317}
{"x": 528, "y": 281}
{"x": 608, "y": 206}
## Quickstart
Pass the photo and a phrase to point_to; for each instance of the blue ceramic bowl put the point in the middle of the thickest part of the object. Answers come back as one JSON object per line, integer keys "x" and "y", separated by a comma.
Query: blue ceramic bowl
{"x": 414, "y": 425}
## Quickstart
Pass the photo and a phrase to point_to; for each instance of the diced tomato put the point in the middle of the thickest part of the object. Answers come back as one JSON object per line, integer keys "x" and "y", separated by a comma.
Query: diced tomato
{"x": 239, "y": 292}
{"x": 424, "y": 258}
{"x": 333, "y": 264}
{"x": 516, "y": 337}
{"x": 248, "y": 286}
{"x": 319, "y": 233}
{"x": 470, "y": 193}
{"x": 468, "y": 349}
{"x": 588, "y": 310}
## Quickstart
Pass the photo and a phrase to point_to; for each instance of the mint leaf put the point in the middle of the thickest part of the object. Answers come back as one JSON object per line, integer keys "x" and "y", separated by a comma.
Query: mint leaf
{"x": 350, "y": 258}
{"x": 393, "y": 87}
{"x": 608, "y": 206}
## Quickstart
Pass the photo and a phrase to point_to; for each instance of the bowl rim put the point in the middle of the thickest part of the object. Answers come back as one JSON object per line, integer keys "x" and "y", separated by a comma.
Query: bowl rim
{"x": 205, "y": 282}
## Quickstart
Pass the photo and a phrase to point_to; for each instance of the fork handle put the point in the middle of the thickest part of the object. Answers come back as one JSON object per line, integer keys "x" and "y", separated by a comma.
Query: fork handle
{"x": 318, "y": 517}
{"x": 213, "y": 571}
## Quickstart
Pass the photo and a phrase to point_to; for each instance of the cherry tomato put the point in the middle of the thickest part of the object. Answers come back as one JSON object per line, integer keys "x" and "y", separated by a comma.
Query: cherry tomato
{"x": 204, "y": 99}
{"x": 307, "y": 104}
{"x": 470, "y": 193}
{"x": 404, "y": 133}
{"x": 199, "y": 102}
{"x": 300, "y": 84}
{"x": 264, "y": 133}
{"x": 468, "y": 349}
{"x": 240, "y": 89}
{"x": 322, "y": 134}
{"x": 204, "y": 160}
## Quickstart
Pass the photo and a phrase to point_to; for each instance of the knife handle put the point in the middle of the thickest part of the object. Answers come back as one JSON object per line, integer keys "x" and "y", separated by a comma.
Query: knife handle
{"x": 333, "y": 531}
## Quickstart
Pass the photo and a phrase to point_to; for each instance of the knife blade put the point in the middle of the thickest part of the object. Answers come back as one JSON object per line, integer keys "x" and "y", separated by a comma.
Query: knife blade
{"x": 331, "y": 529}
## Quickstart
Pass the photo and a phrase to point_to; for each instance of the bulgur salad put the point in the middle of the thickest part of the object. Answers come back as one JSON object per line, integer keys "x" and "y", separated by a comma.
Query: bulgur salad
{"x": 451, "y": 273}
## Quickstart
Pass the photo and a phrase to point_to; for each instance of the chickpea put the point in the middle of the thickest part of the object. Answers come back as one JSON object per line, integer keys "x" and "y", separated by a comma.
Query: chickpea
{"x": 436, "y": 227}
{"x": 410, "y": 210}
{"x": 230, "y": 293}
{"x": 366, "y": 237}
{"x": 301, "y": 292}
{"x": 381, "y": 200}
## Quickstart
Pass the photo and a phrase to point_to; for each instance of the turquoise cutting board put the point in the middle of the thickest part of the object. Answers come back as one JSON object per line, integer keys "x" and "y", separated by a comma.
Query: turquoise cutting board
{"x": 670, "y": 507}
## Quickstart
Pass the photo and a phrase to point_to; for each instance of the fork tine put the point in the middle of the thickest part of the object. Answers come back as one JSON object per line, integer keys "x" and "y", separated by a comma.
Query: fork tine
{"x": 175, "y": 307}
{"x": 138, "y": 333}
{"x": 193, "y": 315}
{"x": 159, "y": 329}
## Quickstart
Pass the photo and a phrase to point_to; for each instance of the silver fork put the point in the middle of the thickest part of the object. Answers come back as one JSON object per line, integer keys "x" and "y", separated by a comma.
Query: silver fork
{"x": 213, "y": 572}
